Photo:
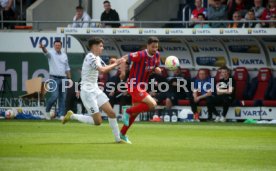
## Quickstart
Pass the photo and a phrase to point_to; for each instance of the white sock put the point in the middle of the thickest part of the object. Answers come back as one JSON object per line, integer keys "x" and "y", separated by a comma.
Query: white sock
{"x": 115, "y": 128}
{"x": 83, "y": 118}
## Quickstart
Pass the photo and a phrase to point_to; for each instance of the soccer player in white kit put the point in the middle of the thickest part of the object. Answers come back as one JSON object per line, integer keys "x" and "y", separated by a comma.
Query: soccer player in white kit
{"x": 91, "y": 95}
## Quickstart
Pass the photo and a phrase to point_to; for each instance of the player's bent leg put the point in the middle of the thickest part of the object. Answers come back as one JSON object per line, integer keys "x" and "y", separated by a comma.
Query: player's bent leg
{"x": 106, "y": 107}
{"x": 150, "y": 102}
{"x": 97, "y": 119}
{"x": 125, "y": 128}
{"x": 145, "y": 105}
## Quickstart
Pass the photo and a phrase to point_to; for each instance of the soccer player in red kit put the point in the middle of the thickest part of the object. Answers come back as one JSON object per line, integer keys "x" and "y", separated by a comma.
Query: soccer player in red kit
{"x": 143, "y": 63}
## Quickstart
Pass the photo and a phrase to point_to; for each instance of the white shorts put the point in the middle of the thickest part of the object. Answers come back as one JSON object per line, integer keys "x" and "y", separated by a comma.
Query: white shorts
{"x": 92, "y": 101}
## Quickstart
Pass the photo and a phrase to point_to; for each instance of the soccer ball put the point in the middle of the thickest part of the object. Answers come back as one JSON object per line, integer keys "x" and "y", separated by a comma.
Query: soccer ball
{"x": 172, "y": 63}
{"x": 9, "y": 114}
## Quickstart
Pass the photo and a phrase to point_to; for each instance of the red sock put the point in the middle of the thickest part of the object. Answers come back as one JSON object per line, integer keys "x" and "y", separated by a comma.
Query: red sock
{"x": 142, "y": 107}
{"x": 125, "y": 128}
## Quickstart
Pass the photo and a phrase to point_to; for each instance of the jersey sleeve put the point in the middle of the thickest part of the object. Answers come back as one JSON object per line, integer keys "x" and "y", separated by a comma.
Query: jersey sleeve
{"x": 134, "y": 57}
{"x": 92, "y": 61}
{"x": 157, "y": 59}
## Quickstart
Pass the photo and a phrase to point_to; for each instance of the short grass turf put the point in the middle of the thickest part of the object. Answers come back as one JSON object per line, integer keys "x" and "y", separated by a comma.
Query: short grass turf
{"x": 49, "y": 145}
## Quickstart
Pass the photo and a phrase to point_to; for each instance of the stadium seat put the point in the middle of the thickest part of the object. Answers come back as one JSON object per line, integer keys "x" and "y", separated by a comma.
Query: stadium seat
{"x": 241, "y": 78}
{"x": 259, "y": 87}
{"x": 183, "y": 102}
{"x": 271, "y": 96}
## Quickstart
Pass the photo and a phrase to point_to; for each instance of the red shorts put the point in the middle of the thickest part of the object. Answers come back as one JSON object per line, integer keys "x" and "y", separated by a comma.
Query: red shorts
{"x": 137, "y": 95}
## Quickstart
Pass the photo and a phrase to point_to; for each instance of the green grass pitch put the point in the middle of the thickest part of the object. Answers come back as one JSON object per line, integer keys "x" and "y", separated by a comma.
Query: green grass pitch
{"x": 49, "y": 145}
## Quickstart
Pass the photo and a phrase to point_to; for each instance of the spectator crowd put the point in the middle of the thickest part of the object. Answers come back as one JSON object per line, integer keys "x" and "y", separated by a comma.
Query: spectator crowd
{"x": 236, "y": 11}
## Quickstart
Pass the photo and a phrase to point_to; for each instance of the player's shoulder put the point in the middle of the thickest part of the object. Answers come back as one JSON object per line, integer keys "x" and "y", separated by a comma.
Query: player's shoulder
{"x": 135, "y": 54}
{"x": 157, "y": 54}
{"x": 90, "y": 56}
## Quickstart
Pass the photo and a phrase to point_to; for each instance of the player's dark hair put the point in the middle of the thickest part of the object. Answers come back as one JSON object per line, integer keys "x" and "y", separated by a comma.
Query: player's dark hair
{"x": 224, "y": 68}
{"x": 153, "y": 40}
{"x": 79, "y": 8}
{"x": 57, "y": 41}
{"x": 95, "y": 41}
{"x": 106, "y": 2}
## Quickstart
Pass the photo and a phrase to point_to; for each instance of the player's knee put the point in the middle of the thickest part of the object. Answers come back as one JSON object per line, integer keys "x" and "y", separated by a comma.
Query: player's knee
{"x": 98, "y": 123}
{"x": 152, "y": 105}
{"x": 111, "y": 114}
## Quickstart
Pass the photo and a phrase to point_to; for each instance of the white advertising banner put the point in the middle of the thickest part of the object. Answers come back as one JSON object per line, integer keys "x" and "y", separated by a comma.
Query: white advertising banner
{"x": 242, "y": 113}
{"x": 166, "y": 31}
{"x": 207, "y": 52}
{"x": 26, "y": 112}
{"x": 270, "y": 46}
{"x": 29, "y": 42}
{"x": 245, "y": 51}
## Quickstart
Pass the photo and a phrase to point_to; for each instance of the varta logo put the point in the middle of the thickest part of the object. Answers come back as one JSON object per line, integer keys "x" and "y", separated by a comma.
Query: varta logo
{"x": 259, "y": 31}
{"x": 150, "y": 31}
{"x": 123, "y": 31}
{"x": 254, "y": 113}
{"x": 97, "y": 31}
{"x": 33, "y": 112}
{"x": 179, "y": 48}
{"x": 184, "y": 61}
{"x": 252, "y": 61}
{"x": 271, "y": 48}
{"x": 231, "y": 31}
{"x": 177, "y": 31}
{"x": 235, "y": 61}
{"x": 274, "y": 61}
{"x": 203, "y": 31}
{"x": 210, "y": 49}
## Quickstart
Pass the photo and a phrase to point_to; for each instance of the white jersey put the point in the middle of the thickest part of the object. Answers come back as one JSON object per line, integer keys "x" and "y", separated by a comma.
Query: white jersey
{"x": 89, "y": 73}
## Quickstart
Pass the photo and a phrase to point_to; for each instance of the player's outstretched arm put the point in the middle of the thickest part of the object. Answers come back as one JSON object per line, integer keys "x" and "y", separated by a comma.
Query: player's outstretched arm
{"x": 123, "y": 67}
{"x": 43, "y": 48}
{"x": 106, "y": 69}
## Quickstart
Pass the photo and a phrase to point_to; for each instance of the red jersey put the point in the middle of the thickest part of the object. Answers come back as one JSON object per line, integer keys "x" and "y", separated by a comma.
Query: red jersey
{"x": 195, "y": 13}
{"x": 142, "y": 66}
{"x": 268, "y": 13}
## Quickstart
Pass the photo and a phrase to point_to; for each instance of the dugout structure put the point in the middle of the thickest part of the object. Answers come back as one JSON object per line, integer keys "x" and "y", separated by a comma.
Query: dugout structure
{"x": 252, "y": 49}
